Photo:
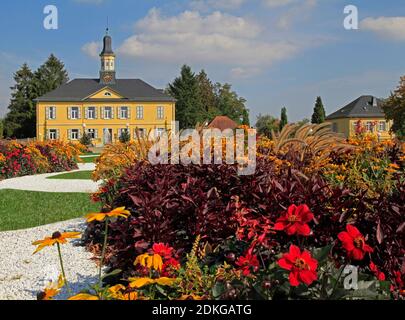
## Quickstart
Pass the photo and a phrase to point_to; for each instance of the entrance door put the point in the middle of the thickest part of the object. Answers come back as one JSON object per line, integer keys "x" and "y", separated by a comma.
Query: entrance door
{"x": 107, "y": 135}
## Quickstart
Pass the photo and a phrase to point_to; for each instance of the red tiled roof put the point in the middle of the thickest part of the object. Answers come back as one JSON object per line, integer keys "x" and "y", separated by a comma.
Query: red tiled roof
{"x": 222, "y": 123}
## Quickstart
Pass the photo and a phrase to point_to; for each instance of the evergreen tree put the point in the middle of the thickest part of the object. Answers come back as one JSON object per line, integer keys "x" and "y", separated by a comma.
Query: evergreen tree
{"x": 266, "y": 125}
{"x": 319, "y": 112}
{"x": 186, "y": 90}
{"x": 207, "y": 96}
{"x": 284, "y": 118}
{"x": 20, "y": 120}
{"x": 394, "y": 108}
{"x": 1, "y": 128}
{"x": 50, "y": 76}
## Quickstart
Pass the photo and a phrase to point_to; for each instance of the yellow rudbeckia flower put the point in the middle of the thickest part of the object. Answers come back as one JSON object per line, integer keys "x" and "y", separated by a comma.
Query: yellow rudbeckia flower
{"x": 119, "y": 212}
{"x": 57, "y": 237}
{"x": 142, "y": 282}
{"x": 51, "y": 290}
{"x": 150, "y": 261}
{"x": 84, "y": 296}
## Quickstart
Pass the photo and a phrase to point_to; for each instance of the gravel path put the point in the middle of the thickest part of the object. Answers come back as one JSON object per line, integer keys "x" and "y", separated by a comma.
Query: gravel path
{"x": 23, "y": 274}
{"x": 41, "y": 183}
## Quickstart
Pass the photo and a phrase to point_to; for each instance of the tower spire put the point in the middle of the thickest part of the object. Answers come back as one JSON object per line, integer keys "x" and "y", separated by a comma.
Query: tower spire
{"x": 107, "y": 72}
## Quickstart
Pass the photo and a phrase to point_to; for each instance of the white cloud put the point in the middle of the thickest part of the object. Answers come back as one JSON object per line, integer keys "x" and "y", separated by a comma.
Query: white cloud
{"x": 243, "y": 73}
{"x": 215, "y": 38}
{"x": 204, "y": 5}
{"x": 387, "y": 27}
{"x": 298, "y": 12}
{"x": 92, "y": 49}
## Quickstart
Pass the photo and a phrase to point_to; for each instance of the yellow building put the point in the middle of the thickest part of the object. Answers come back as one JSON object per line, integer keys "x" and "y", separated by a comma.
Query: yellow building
{"x": 364, "y": 114}
{"x": 103, "y": 108}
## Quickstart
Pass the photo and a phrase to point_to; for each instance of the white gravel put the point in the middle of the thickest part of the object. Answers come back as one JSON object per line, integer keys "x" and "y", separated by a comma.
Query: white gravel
{"x": 42, "y": 184}
{"x": 23, "y": 274}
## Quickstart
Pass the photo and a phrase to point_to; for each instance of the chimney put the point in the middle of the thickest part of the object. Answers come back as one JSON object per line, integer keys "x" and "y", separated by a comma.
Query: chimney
{"x": 374, "y": 102}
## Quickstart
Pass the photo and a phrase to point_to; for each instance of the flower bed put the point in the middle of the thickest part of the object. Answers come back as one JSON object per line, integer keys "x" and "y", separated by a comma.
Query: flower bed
{"x": 288, "y": 231}
{"x": 38, "y": 157}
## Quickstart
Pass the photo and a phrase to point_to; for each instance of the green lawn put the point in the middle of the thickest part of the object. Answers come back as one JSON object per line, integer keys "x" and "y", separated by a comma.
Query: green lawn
{"x": 78, "y": 175}
{"x": 28, "y": 209}
{"x": 89, "y": 159}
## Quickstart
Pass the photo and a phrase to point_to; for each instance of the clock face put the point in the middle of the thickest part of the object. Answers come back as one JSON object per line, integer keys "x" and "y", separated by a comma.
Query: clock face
{"x": 107, "y": 77}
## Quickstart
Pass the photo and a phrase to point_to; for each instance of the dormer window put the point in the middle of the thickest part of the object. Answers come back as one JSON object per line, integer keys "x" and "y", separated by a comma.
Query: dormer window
{"x": 107, "y": 94}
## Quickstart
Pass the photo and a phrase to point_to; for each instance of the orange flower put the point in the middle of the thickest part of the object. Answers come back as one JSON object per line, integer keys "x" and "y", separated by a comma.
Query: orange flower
{"x": 154, "y": 261}
{"x": 119, "y": 212}
{"x": 51, "y": 290}
{"x": 57, "y": 237}
{"x": 84, "y": 296}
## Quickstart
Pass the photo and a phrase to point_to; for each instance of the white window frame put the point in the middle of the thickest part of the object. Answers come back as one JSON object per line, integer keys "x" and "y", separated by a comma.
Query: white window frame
{"x": 94, "y": 111}
{"x": 369, "y": 126}
{"x": 51, "y": 113}
{"x": 122, "y": 114}
{"x": 141, "y": 132}
{"x": 382, "y": 124}
{"x": 53, "y": 134}
{"x": 73, "y": 132}
{"x": 159, "y": 132}
{"x": 160, "y": 112}
{"x": 139, "y": 112}
{"x": 72, "y": 112}
{"x": 107, "y": 94}
{"x": 105, "y": 113}
{"x": 92, "y": 133}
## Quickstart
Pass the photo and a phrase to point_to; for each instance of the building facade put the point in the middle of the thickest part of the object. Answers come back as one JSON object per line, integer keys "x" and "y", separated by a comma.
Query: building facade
{"x": 364, "y": 114}
{"x": 103, "y": 108}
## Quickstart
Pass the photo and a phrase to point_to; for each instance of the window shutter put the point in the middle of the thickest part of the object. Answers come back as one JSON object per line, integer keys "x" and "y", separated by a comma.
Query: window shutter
{"x": 57, "y": 134}
{"x": 79, "y": 113}
{"x": 69, "y": 114}
{"x": 112, "y": 113}
{"x": 47, "y": 134}
{"x": 47, "y": 113}
{"x": 86, "y": 113}
{"x": 70, "y": 134}
{"x": 102, "y": 113}
{"x": 80, "y": 134}
{"x": 129, "y": 112}
{"x": 95, "y": 133}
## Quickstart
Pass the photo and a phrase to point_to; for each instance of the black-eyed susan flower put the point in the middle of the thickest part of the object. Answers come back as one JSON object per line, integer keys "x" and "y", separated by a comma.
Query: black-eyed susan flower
{"x": 142, "y": 282}
{"x": 52, "y": 290}
{"x": 118, "y": 212}
{"x": 84, "y": 296}
{"x": 150, "y": 261}
{"x": 56, "y": 238}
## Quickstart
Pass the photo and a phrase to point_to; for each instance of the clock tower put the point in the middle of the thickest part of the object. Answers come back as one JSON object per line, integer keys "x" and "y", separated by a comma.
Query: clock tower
{"x": 107, "y": 72}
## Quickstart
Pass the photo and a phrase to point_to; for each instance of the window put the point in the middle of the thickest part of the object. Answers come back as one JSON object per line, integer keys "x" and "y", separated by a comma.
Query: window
{"x": 334, "y": 127}
{"x": 53, "y": 134}
{"x": 139, "y": 112}
{"x": 108, "y": 113}
{"x": 74, "y": 113}
{"x": 122, "y": 132}
{"x": 159, "y": 132}
{"x": 141, "y": 132}
{"x": 51, "y": 113}
{"x": 74, "y": 134}
{"x": 160, "y": 112}
{"x": 382, "y": 126}
{"x": 92, "y": 133}
{"x": 124, "y": 113}
{"x": 91, "y": 113}
{"x": 369, "y": 126}
{"x": 107, "y": 94}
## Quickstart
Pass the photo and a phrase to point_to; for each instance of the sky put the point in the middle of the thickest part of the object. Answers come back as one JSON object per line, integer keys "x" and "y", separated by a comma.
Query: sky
{"x": 275, "y": 53}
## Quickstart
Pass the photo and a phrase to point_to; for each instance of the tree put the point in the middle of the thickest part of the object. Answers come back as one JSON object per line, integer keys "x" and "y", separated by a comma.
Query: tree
{"x": 319, "y": 112}
{"x": 125, "y": 136}
{"x": 85, "y": 139}
{"x": 186, "y": 91}
{"x": 284, "y": 118}
{"x": 230, "y": 104}
{"x": 18, "y": 121}
{"x": 199, "y": 100}
{"x": 50, "y": 76}
{"x": 266, "y": 124}
{"x": 1, "y": 128}
{"x": 394, "y": 108}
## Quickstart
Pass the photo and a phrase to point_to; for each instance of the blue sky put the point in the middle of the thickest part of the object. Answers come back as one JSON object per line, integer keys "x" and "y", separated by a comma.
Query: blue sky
{"x": 275, "y": 52}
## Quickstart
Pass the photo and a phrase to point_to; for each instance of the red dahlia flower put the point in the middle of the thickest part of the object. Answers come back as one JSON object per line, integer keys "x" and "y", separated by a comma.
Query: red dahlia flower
{"x": 302, "y": 266}
{"x": 380, "y": 275}
{"x": 354, "y": 243}
{"x": 295, "y": 220}
{"x": 162, "y": 250}
{"x": 247, "y": 263}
